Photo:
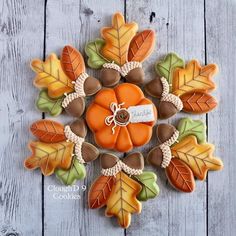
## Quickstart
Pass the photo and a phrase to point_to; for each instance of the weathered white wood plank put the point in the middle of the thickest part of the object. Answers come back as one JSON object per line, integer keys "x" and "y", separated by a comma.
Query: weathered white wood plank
{"x": 21, "y": 39}
{"x": 180, "y": 28}
{"x": 220, "y": 43}
{"x": 77, "y": 22}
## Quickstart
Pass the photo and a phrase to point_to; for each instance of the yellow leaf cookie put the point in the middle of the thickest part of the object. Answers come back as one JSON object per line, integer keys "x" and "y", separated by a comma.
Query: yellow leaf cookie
{"x": 50, "y": 75}
{"x": 122, "y": 201}
{"x": 193, "y": 77}
{"x": 49, "y": 156}
{"x": 198, "y": 156}
{"x": 117, "y": 39}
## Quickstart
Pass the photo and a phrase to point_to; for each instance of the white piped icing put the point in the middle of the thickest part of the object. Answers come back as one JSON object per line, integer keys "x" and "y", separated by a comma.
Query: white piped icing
{"x": 128, "y": 66}
{"x": 173, "y": 99}
{"x": 79, "y": 84}
{"x": 119, "y": 166}
{"x": 78, "y": 141}
{"x": 165, "y": 85}
{"x": 69, "y": 98}
{"x": 173, "y": 139}
{"x": 166, "y": 152}
{"x": 111, "y": 66}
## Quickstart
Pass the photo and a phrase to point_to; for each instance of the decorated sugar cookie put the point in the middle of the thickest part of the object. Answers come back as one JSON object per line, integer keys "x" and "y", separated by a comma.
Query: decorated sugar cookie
{"x": 122, "y": 186}
{"x": 64, "y": 83}
{"x": 120, "y": 52}
{"x": 60, "y": 150}
{"x": 184, "y": 153}
{"x": 121, "y": 118}
{"x": 183, "y": 87}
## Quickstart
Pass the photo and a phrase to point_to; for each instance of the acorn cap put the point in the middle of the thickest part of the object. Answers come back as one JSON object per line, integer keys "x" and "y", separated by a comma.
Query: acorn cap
{"x": 167, "y": 134}
{"x": 91, "y": 86}
{"x": 78, "y": 127}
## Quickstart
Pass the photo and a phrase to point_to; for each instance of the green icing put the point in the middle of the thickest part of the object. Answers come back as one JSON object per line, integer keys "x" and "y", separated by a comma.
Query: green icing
{"x": 76, "y": 172}
{"x": 46, "y": 104}
{"x": 92, "y": 50}
{"x": 166, "y": 67}
{"x": 150, "y": 188}
{"x": 187, "y": 126}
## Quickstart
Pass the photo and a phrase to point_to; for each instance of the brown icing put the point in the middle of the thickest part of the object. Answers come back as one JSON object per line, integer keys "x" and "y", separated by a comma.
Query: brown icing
{"x": 135, "y": 76}
{"x": 76, "y": 107}
{"x": 154, "y": 88}
{"x": 108, "y": 160}
{"x": 79, "y": 128}
{"x": 166, "y": 110}
{"x": 109, "y": 77}
{"x": 91, "y": 86}
{"x": 89, "y": 152}
{"x": 155, "y": 157}
{"x": 164, "y": 132}
{"x": 122, "y": 116}
{"x": 134, "y": 160}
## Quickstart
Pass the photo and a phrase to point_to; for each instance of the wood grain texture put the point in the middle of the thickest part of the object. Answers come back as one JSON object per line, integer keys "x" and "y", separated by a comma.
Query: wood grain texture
{"x": 220, "y": 43}
{"x": 20, "y": 190}
{"x": 76, "y": 23}
{"x": 171, "y": 20}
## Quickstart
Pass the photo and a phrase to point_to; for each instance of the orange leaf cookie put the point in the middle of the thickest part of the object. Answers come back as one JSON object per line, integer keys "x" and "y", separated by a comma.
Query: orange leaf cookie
{"x": 48, "y": 157}
{"x": 112, "y": 128}
{"x": 48, "y": 131}
{"x": 72, "y": 62}
{"x": 100, "y": 191}
{"x": 117, "y": 39}
{"x": 199, "y": 157}
{"x": 50, "y": 75}
{"x": 141, "y": 46}
{"x": 193, "y": 77}
{"x": 198, "y": 102}
{"x": 122, "y": 201}
{"x": 180, "y": 175}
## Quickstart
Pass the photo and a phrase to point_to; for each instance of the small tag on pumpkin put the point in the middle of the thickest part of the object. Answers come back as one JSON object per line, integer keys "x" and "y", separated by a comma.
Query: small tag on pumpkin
{"x": 141, "y": 113}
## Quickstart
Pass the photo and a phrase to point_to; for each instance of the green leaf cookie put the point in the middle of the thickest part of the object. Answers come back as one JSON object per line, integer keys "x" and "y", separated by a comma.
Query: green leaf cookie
{"x": 187, "y": 126}
{"x": 92, "y": 50}
{"x": 76, "y": 172}
{"x": 166, "y": 67}
{"x": 150, "y": 188}
{"x": 46, "y": 104}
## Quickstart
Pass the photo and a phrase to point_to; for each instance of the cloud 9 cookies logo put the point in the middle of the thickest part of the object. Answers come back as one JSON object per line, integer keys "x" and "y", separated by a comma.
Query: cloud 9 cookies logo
{"x": 72, "y": 192}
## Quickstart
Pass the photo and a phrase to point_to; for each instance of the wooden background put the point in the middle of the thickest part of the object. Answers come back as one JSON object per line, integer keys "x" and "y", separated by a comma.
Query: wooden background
{"x": 202, "y": 29}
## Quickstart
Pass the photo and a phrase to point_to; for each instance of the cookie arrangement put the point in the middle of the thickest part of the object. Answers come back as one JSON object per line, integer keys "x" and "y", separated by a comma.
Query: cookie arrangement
{"x": 121, "y": 117}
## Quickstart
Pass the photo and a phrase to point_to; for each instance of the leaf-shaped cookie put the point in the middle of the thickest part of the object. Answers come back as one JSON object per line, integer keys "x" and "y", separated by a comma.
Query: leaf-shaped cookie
{"x": 100, "y": 191}
{"x": 46, "y": 104}
{"x": 122, "y": 201}
{"x": 180, "y": 175}
{"x": 48, "y": 131}
{"x": 187, "y": 126}
{"x": 76, "y": 172}
{"x": 95, "y": 58}
{"x": 50, "y": 75}
{"x": 150, "y": 188}
{"x": 198, "y": 102}
{"x": 48, "y": 157}
{"x": 166, "y": 67}
{"x": 193, "y": 77}
{"x": 72, "y": 62}
{"x": 197, "y": 156}
{"x": 117, "y": 39}
{"x": 141, "y": 46}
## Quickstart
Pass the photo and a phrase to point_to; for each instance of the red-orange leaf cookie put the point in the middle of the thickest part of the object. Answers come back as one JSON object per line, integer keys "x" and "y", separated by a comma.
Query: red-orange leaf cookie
{"x": 141, "y": 46}
{"x": 100, "y": 191}
{"x": 72, "y": 62}
{"x": 48, "y": 157}
{"x": 193, "y": 77}
{"x": 117, "y": 39}
{"x": 180, "y": 175}
{"x": 48, "y": 131}
{"x": 198, "y": 102}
